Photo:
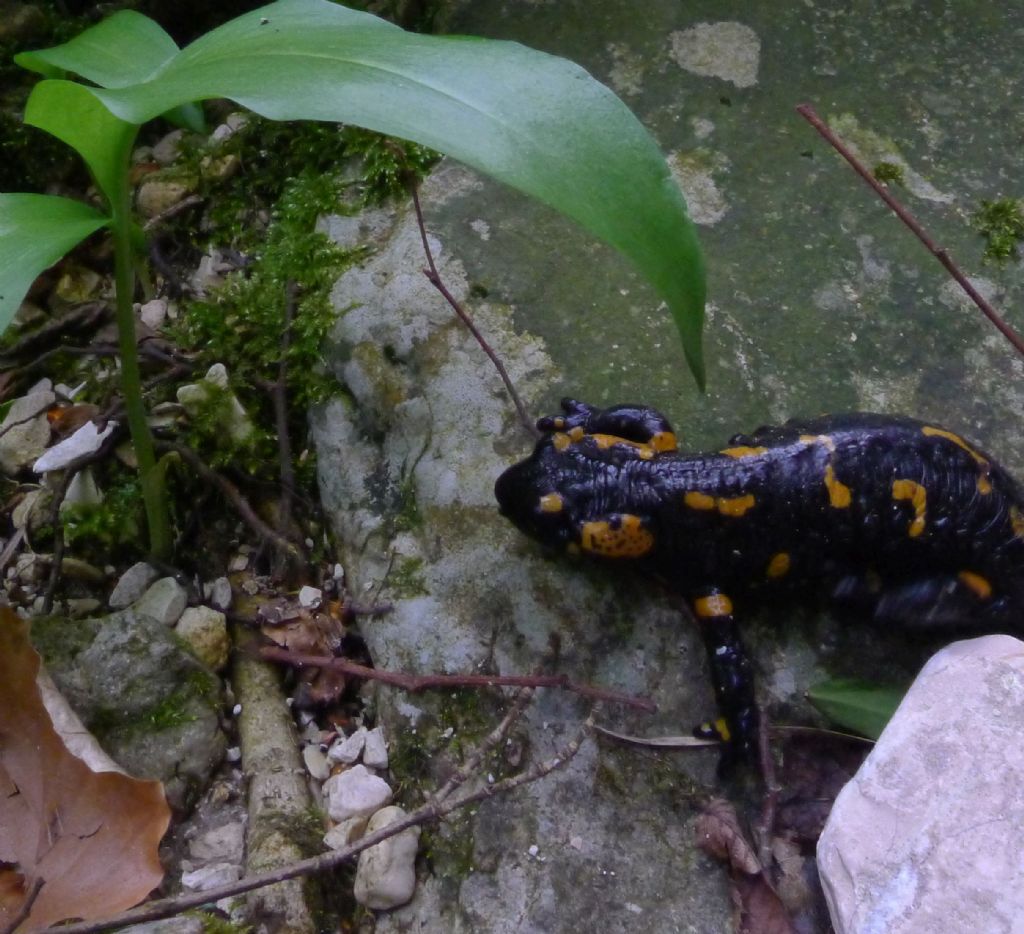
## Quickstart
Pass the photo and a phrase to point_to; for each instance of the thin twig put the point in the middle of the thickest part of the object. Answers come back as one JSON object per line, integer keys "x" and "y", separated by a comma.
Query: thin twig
{"x": 434, "y": 277}
{"x": 233, "y": 495}
{"x": 415, "y": 683}
{"x": 940, "y": 253}
{"x": 59, "y": 493}
{"x": 278, "y": 392}
{"x": 433, "y": 810}
{"x": 172, "y": 211}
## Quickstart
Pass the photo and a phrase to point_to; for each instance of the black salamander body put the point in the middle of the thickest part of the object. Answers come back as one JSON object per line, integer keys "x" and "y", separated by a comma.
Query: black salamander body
{"x": 904, "y": 519}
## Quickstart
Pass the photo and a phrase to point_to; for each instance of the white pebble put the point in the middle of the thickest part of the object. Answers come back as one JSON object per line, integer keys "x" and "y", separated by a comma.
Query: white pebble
{"x": 355, "y": 793}
{"x": 386, "y": 875}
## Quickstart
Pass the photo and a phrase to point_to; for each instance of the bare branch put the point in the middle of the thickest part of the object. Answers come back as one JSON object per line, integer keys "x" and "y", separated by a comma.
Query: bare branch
{"x": 940, "y": 253}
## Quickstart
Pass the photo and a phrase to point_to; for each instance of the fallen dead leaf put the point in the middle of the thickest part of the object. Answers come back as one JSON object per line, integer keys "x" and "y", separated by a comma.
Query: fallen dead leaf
{"x": 90, "y": 837}
{"x": 720, "y": 834}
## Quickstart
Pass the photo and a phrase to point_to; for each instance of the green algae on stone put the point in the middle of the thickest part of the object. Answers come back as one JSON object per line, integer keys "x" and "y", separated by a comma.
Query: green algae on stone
{"x": 1001, "y": 223}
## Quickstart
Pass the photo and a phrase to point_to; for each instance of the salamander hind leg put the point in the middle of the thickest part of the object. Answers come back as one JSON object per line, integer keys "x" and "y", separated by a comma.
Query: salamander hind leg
{"x": 732, "y": 677}
{"x": 957, "y": 602}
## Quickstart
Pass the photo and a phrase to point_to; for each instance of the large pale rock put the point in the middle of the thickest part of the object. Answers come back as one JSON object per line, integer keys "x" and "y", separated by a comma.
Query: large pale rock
{"x": 926, "y": 836}
{"x": 386, "y": 875}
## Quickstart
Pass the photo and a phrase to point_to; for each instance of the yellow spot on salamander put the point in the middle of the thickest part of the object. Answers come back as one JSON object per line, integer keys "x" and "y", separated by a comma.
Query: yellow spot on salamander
{"x": 576, "y": 433}
{"x": 619, "y": 537}
{"x": 697, "y": 500}
{"x": 662, "y": 441}
{"x": 1017, "y": 522}
{"x": 720, "y": 728}
{"x": 743, "y": 451}
{"x": 716, "y": 604}
{"x": 918, "y": 496}
{"x": 726, "y": 505}
{"x": 551, "y": 502}
{"x": 558, "y": 423}
{"x": 779, "y": 565}
{"x": 975, "y": 582}
{"x": 736, "y": 505}
{"x": 560, "y": 441}
{"x": 984, "y": 484}
{"x": 838, "y": 493}
{"x": 644, "y": 451}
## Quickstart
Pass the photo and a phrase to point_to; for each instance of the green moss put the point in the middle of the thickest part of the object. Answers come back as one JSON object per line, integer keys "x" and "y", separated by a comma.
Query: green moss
{"x": 889, "y": 173}
{"x": 406, "y": 578}
{"x": 213, "y": 924}
{"x": 1001, "y": 223}
{"x": 449, "y": 849}
{"x": 107, "y": 529}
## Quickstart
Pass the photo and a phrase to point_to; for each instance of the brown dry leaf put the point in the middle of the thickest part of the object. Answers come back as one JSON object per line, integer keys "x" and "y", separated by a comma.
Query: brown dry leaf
{"x": 91, "y": 837}
{"x": 720, "y": 834}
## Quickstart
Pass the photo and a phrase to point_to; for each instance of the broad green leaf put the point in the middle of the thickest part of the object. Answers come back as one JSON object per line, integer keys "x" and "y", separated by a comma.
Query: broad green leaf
{"x": 123, "y": 49}
{"x": 536, "y": 122}
{"x": 35, "y": 232}
{"x": 71, "y": 113}
{"x": 857, "y": 705}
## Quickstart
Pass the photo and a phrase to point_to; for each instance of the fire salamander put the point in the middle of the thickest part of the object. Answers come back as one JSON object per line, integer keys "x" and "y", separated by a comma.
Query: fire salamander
{"x": 903, "y": 519}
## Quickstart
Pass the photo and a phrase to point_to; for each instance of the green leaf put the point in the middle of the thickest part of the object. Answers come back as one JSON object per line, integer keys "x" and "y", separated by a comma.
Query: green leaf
{"x": 857, "y": 705}
{"x": 536, "y": 122}
{"x": 72, "y": 113}
{"x": 123, "y": 49}
{"x": 35, "y": 232}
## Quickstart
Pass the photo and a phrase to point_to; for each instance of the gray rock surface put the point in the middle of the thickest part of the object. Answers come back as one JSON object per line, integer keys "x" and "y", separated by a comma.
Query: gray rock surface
{"x": 407, "y": 476}
{"x": 926, "y": 837}
{"x": 151, "y": 705}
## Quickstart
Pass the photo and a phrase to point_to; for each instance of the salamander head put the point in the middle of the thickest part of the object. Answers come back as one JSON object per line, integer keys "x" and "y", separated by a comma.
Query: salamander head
{"x": 534, "y": 495}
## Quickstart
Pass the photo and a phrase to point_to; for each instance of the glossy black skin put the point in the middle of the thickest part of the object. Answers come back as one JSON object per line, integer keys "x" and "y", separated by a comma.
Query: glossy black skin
{"x": 861, "y": 553}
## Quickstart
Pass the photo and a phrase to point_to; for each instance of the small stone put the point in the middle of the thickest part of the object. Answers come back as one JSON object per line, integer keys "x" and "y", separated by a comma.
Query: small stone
{"x": 154, "y": 313}
{"x": 250, "y": 586}
{"x": 355, "y": 793}
{"x": 375, "y": 750}
{"x": 156, "y": 195}
{"x": 77, "y": 284}
{"x": 164, "y": 601}
{"x": 193, "y": 396}
{"x": 211, "y": 876}
{"x": 225, "y": 844}
{"x": 79, "y": 570}
{"x": 132, "y": 585}
{"x": 310, "y": 597}
{"x": 345, "y": 833}
{"x": 238, "y": 563}
{"x": 28, "y": 511}
{"x": 338, "y": 572}
{"x": 205, "y": 632}
{"x": 165, "y": 150}
{"x": 218, "y": 593}
{"x": 28, "y": 568}
{"x": 27, "y": 431}
{"x": 347, "y": 750}
{"x": 87, "y": 440}
{"x": 316, "y": 763}
{"x": 386, "y": 874}
{"x": 233, "y": 754}
{"x": 82, "y": 607}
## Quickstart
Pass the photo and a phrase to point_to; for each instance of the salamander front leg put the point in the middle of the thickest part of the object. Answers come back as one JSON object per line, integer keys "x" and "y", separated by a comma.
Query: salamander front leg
{"x": 637, "y": 423}
{"x": 733, "y": 680}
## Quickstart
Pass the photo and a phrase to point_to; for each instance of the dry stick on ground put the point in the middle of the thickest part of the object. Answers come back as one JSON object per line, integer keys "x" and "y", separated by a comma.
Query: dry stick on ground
{"x": 414, "y": 683}
{"x": 435, "y": 809}
{"x": 233, "y": 495}
{"x": 434, "y": 277}
{"x": 940, "y": 253}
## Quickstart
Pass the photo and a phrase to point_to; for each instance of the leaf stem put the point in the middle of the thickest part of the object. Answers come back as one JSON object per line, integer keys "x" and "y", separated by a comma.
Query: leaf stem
{"x": 131, "y": 382}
